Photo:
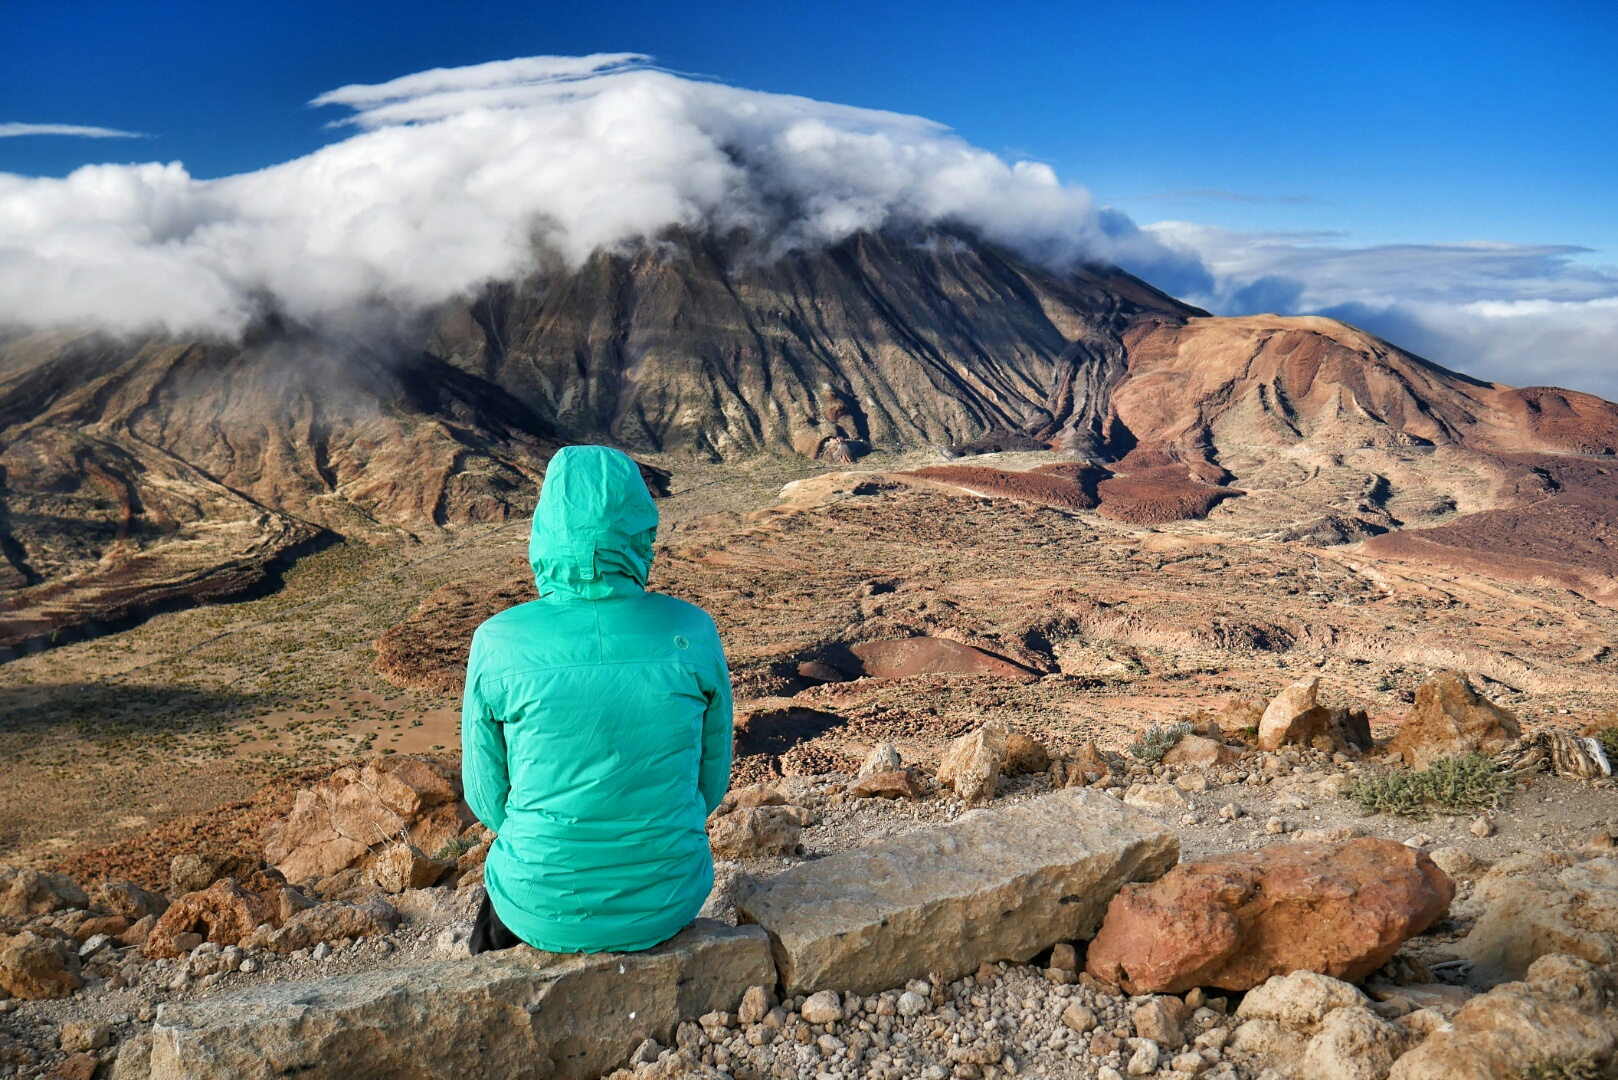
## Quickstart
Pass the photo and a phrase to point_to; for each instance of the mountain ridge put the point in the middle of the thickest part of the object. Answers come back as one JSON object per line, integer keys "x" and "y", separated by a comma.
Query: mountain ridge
{"x": 140, "y": 473}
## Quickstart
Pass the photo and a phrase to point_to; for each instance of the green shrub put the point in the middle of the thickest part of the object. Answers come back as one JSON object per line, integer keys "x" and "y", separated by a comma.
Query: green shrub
{"x": 1158, "y": 741}
{"x": 1453, "y": 784}
{"x": 454, "y": 849}
{"x": 1608, "y": 738}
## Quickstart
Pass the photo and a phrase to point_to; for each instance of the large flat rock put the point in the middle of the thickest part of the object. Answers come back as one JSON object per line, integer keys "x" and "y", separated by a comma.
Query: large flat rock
{"x": 1000, "y": 884}
{"x": 519, "y": 1014}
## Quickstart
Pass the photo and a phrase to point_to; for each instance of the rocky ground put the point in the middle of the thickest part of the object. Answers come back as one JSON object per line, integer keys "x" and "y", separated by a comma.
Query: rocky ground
{"x": 190, "y": 734}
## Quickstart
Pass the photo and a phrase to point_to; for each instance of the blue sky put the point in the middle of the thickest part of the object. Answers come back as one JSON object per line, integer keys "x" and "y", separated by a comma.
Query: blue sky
{"x": 1263, "y": 128}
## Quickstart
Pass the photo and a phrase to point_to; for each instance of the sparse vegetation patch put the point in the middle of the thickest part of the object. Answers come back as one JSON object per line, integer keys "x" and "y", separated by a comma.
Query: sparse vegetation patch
{"x": 1469, "y": 782}
{"x": 1158, "y": 741}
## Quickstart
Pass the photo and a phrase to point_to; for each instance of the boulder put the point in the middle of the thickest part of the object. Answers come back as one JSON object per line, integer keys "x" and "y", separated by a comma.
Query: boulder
{"x": 336, "y": 824}
{"x": 1543, "y": 1023}
{"x": 971, "y": 765}
{"x": 1295, "y": 715}
{"x": 751, "y": 795}
{"x": 1300, "y": 1000}
{"x": 405, "y": 866}
{"x": 1199, "y": 752}
{"x": 1448, "y": 719}
{"x": 194, "y": 871}
{"x": 884, "y": 757}
{"x": 1540, "y": 904}
{"x": 35, "y": 968}
{"x": 1024, "y": 755}
{"x": 1233, "y": 921}
{"x": 224, "y": 913}
{"x": 434, "y": 905}
{"x": 130, "y": 900}
{"x": 1270, "y": 1042}
{"x": 1154, "y": 797}
{"x": 753, "y": 831}
{"x": 1088, "y": 760}
{"x": 518, "y": 1014}
{"x": 25, "y": 892}
{"x": 326, "y": 922}
{"x": 896, "y": 784}
{"x": 990, "y": 885}
{"x": 1354, "y": 1043}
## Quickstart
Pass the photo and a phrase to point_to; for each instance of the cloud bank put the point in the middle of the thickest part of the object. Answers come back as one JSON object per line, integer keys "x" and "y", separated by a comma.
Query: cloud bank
{"x": 1515, "y": 313}
{"x": 452, "y": 178}
{"x": 453, "y": 175}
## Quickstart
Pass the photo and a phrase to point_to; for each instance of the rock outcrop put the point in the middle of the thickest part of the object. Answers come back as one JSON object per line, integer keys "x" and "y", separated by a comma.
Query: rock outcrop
{"x": 1561, "y": 1021}
{"x": 937, "y": 900}
{"x": 1234, "y": 921}
{"x": 752, "y": 831}
{"x": 33, "y": 967}
{"x": 972, "y": 764}
{"x": 1296, "y": 717}
{"x": 520, "y": 1013}
{"x": 224, "y": 913}
{"x": 25, "y": 892}
{"x": 346, "y": 820}
{"x": 1540, "y": 903}
{"x": 1449, "y": 719}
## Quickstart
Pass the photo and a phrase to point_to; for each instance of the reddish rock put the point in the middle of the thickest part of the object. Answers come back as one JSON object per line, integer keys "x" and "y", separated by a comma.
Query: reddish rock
{"x": 1448, "y": 719}
{"x": 111, "y": 925}
{"x": 36, "y": 968}
{"x": 223, "y": 913}
{"x": 1234, "y": 921}
{"x": 892, "y": 784}
{"x": 1199, "y": 752}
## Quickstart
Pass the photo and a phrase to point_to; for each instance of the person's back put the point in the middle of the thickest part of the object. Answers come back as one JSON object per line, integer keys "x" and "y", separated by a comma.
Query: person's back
{"x": 596, "y": 727}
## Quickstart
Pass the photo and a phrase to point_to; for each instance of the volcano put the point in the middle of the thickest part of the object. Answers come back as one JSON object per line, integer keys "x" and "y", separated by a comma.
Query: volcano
{"x": 139, "y": 474}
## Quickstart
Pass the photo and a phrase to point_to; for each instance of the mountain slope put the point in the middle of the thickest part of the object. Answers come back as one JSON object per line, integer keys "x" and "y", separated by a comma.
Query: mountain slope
{"x": 138, "y": 474}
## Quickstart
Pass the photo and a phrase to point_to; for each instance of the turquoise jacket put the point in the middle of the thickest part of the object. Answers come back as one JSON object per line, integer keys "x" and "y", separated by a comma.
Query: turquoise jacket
{"x": 595, "y": 731}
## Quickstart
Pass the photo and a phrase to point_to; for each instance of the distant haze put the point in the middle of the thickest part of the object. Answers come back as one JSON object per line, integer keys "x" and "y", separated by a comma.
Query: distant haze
{"x": 456, "y": 177}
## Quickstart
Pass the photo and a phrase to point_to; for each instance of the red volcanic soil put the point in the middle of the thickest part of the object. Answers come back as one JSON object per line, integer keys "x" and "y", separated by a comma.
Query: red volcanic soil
{"x": 1034, "y": 487}
{"x": 1159, "y": 487}
{"x": 1565, "y": 533}
{"x": 1563, "y": 420}
{"x": 1159, "y": 496}
{"x": 901, "y": 658}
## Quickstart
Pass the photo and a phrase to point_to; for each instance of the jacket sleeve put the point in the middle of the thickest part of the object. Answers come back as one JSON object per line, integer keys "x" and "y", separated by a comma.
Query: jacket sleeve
{"x": 713, "y": 775}
{"x": 483, "y": 752}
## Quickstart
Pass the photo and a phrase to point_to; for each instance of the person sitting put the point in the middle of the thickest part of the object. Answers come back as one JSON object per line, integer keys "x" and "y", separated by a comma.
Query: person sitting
{"x": 595, "y": 729}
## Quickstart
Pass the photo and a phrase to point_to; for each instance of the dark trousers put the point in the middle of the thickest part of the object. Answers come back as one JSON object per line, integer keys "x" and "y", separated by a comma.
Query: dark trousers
{"x": 489, "y": 934}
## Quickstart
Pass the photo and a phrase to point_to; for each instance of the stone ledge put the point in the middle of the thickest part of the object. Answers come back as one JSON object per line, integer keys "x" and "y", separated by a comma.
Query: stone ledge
{"x": 521, "y": 1014}
{"x": 1000, "y": 884}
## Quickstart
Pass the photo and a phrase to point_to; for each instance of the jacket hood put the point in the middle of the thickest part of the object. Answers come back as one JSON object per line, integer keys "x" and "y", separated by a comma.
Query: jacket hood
{"x": 594, "y": 526}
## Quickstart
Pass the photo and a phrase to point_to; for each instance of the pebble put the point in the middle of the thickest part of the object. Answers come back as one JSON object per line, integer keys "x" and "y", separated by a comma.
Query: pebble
{"x": 322, "y": 951}
{"x": 1481, "y": 828}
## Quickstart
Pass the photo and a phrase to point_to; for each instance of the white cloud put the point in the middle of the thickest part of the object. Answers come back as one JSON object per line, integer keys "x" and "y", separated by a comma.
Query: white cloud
{"x": 451, "y": 177}
{"x": 455, "y": 173}
{"x": 1515, "y": 313}
{"x": 12, "y": 130}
